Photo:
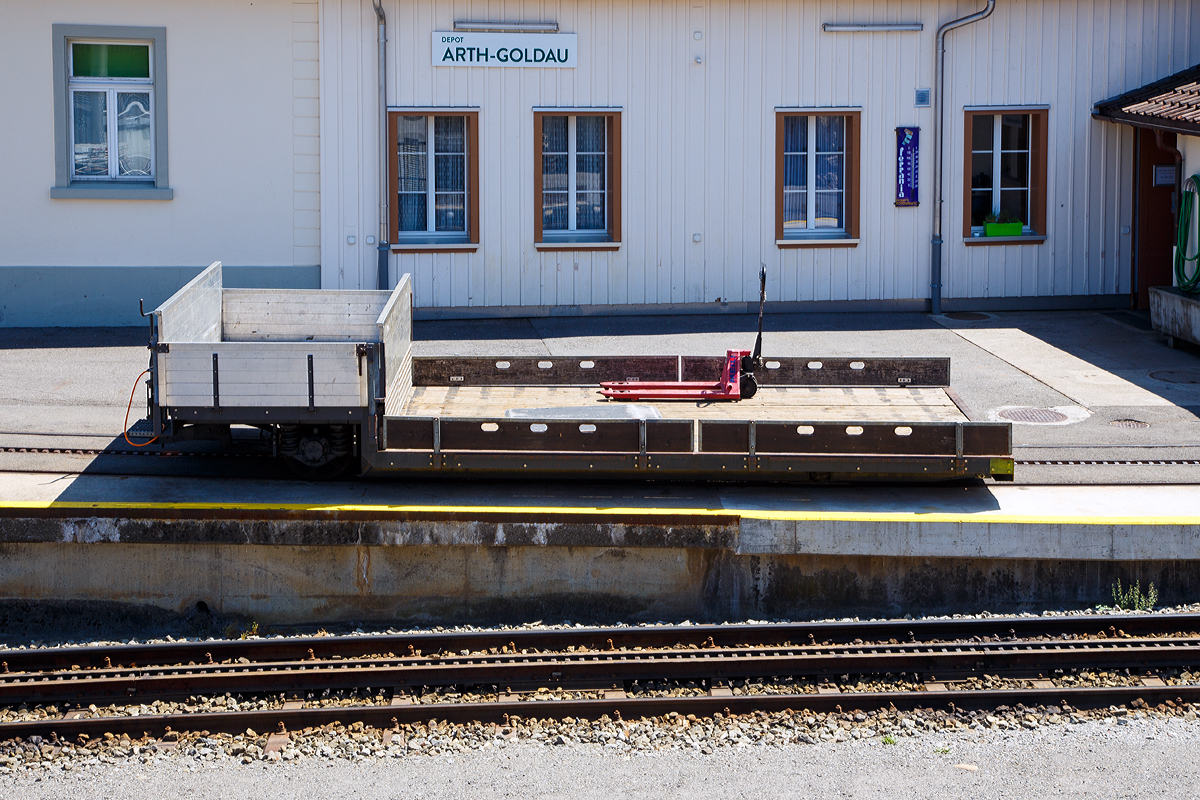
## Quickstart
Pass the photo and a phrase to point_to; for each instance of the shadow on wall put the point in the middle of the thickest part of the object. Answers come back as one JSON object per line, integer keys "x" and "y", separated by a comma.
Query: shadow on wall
{"x": 108, "y": 296}
{"x": 771, "y": 589}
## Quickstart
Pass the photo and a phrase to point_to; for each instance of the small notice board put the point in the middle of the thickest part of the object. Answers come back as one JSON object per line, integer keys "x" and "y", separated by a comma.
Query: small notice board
{"x": 907, "y": 158}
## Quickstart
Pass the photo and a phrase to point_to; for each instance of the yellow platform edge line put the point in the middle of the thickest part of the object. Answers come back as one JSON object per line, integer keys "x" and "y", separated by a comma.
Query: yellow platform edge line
{"x": 983, "y": 517}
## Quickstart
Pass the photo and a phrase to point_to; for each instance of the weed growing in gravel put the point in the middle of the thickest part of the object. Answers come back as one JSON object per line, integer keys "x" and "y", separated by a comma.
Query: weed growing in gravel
{"x": 1132, "y": 599}
{"x": 236, "y": 630}
{"x": 941, "y": 750}
{"x": 889, "y": 739}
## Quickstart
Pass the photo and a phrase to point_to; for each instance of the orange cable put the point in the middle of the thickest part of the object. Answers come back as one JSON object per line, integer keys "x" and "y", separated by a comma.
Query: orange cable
{"x": 125, "y": 427}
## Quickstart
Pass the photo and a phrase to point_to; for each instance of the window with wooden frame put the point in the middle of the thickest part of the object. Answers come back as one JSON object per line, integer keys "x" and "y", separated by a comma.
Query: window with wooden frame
{"x": 817, "y": 177}
{"x": 577, "y": 180}
{"x": 1004, "y": 175}
{"x": 435, "y": 178}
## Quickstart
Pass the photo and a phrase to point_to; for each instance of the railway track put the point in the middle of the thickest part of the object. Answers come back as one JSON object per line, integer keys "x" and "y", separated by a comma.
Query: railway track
{"x": 97, "y": 452}
{"x": 244, "y": 454}
{"x": 81, "y": 451}
{"x": 489, "y": 676}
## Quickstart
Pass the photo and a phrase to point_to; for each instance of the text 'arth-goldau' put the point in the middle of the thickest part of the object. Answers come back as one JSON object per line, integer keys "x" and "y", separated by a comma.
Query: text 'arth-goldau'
{"x": 503, "y": 49}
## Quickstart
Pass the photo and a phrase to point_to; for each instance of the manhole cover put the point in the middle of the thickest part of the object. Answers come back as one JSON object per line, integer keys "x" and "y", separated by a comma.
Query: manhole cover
{"x": 1176, "y": 376}
{"x": 1032, "y": 415}
{"x": 1129, "y": 423}
{"x": 967, "y": 316}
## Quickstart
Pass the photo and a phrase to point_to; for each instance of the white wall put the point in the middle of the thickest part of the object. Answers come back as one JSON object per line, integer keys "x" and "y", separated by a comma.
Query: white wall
{"x": 239, "y": 128}
{"x": 698, "y": 142}
{"x": 1190, "y": 147}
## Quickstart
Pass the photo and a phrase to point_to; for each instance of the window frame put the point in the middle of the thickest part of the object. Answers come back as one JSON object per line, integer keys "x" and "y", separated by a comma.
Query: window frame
{"x": 66, "y": 184}
{"x": 610, "y": 237}
{"x": 848, "y": 235}
{"x": 111, "y": 88}
{"x": 1038, "y": 150}
{"x": 427, "y": 240}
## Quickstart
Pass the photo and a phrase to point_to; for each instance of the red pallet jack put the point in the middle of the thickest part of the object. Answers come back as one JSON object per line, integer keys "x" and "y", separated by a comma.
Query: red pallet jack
{"x": 737, "y": 378}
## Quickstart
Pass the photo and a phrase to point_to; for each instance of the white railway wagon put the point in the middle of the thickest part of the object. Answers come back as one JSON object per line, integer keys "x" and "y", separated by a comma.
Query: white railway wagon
{"x": 329, "y": 377}
{"x": 301, "y": 363}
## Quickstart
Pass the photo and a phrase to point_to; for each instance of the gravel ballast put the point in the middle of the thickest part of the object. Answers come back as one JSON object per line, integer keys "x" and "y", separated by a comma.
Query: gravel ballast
{"x": 656, "y": 755}
{"x": 1145, "y": 757}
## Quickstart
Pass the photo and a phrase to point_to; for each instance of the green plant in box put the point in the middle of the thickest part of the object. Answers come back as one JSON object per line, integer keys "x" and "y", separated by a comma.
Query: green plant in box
{"x": 1002, "y": 224}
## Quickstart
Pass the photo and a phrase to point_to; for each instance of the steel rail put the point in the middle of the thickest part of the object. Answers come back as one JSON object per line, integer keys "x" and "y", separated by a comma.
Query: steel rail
{"x": 626, "y": 708}
{"x": 575, "y": 671}
{"x": 559, "y": 639}
{"x": 599, "y": 669}
{"x": 84, "y": 451}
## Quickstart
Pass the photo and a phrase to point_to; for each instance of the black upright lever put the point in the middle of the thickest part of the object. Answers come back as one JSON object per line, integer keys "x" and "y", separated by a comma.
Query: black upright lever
{"x": 749, "y": 384}
{"x": 755, "y": 361}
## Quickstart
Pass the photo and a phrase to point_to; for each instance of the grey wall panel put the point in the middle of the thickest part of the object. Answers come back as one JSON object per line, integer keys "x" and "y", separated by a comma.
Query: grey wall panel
{"x": 37, "y": 297}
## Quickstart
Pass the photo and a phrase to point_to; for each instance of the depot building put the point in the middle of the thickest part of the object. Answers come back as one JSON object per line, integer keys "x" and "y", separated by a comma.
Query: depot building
{"x": 630, "y": 156}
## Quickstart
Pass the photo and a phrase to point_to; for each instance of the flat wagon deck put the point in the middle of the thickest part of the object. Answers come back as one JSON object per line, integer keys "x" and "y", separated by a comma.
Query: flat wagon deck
{"x": 331, "y": 376}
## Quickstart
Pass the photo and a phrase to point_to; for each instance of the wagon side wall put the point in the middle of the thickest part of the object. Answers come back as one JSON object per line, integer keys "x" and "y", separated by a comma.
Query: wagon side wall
{"x": 261, "y": 374}
{"x": 193, "y": 314}
{"x": 395, "y": 331}
{"x": 298, "y": 315}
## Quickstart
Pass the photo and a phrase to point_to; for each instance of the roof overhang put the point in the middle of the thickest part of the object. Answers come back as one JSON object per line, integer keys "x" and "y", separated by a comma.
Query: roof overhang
{"x": 1150, "y": 123}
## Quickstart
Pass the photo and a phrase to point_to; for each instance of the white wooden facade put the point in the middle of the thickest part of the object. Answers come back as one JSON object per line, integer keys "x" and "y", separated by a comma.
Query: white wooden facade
{"x": 698, "y": 144}
{"x": 275, "y": 162}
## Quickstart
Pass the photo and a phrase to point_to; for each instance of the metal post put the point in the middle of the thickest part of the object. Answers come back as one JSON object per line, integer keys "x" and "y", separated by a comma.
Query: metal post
{"x": 384, "y": 159}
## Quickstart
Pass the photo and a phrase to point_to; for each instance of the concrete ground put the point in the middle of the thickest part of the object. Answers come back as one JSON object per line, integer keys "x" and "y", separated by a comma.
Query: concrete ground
{"x": 72, "y": 384}
{"x": 1149, "y": 758}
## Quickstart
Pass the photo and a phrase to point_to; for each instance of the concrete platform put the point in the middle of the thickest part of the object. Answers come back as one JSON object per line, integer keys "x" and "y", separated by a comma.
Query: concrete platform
{"x": 1121, "y": 523}
{"x": 1095, "y": 502}
{"x": 290, "y": 553}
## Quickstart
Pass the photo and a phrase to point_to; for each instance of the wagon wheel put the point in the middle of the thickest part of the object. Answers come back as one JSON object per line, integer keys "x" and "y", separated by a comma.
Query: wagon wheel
{"x": 318, "y": 472}
{"x": 317, "y": 452}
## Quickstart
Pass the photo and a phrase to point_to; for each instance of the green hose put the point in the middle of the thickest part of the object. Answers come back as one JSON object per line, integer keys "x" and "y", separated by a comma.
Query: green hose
{"x": 1188, "y": 283}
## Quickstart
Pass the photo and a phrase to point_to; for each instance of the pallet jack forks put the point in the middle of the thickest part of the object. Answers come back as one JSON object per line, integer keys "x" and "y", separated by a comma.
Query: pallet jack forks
{"x": 737, "y": 378}
{"x": 732, "y": 386}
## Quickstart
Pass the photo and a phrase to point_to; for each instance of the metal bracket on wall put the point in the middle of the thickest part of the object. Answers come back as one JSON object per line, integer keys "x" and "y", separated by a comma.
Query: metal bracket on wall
{"x": 361, "y": 350}
{"x": 437, "y": 442}
{"x": 311, "y": 404}
{"x": 960, "y": 463}
{"x": 216, "y": 406}
{"x": 753, "y": 445}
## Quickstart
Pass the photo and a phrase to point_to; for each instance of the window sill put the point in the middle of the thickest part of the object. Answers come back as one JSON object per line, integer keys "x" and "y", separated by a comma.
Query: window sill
{"x": 816, "y": 242}
{"x": 977, "y": 241}
{"x": 569, "y": 245}
{"x": 98, "y": 190}
{"x": 428, "y": 246}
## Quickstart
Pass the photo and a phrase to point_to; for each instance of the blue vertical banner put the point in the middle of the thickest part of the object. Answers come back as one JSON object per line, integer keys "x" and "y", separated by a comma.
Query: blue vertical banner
{"x": 907, "y": 158}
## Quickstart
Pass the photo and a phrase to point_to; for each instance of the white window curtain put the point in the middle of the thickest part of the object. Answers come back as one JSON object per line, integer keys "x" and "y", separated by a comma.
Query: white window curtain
{"x": 814, "y": 166}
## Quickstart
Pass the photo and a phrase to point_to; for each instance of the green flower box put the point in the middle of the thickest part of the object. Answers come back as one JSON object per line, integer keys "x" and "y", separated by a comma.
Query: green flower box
{"x": 1004, "y": 228}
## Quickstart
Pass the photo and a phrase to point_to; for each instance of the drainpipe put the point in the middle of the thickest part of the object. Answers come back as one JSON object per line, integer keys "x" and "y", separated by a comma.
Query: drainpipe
{"x": 384, "y": 218}
{"x": 935, "y": 266}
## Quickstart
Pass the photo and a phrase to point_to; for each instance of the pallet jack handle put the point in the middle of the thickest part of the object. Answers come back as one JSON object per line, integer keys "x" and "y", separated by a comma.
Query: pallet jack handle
{"x": 755, "y": 361}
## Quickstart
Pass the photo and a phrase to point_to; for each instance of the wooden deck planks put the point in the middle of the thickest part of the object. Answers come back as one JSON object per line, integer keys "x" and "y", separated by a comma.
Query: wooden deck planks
{"x": 771, "y": 403}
